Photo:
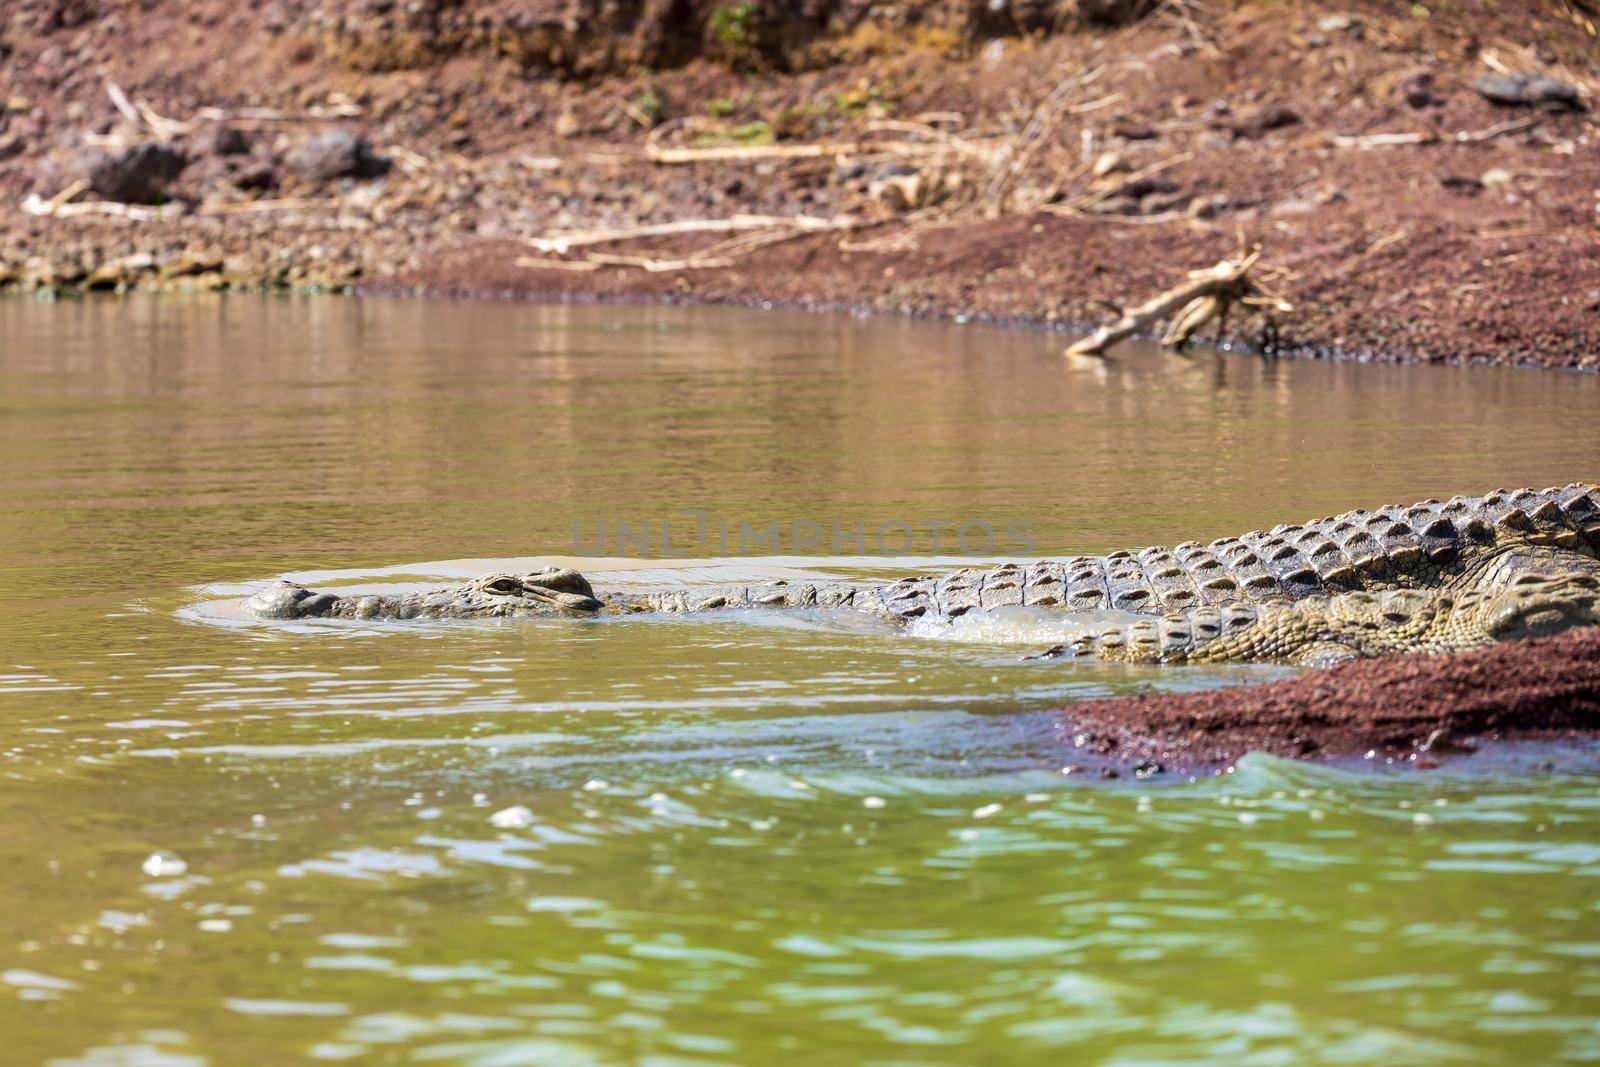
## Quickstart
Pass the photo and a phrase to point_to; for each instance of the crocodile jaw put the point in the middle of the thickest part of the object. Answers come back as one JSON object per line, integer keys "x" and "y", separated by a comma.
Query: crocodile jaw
{"x": 553, "y": 591}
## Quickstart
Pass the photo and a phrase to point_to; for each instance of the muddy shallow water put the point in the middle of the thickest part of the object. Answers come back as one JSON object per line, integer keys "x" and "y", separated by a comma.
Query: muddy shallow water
{"x": 748, "y": 838}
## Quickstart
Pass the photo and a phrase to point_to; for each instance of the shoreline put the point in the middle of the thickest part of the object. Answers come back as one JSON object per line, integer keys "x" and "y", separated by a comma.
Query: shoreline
{"x": 448, "y": 291}
{"x": 1378, "y": 357}
{"x": 918, "y": 160}
{"x": 1418, "y": 710}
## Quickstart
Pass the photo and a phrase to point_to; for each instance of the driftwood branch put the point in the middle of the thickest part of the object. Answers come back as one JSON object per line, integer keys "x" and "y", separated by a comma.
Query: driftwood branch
{"x": 751, "y": 233}
{"x": 1430, "y": 137}
{"x": 60, "y": 206}
{"x": 560, "y": 243}
{"x": 556, "y": 264}
{"x": 936, "y": 143}
{"x": 138, "y": 114}
{"x": 1207, "y": 296}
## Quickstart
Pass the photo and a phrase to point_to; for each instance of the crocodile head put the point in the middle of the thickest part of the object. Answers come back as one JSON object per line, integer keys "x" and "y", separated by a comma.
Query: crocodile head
{"x": 1537, "y": 605}
{"x": 552, "y": 591}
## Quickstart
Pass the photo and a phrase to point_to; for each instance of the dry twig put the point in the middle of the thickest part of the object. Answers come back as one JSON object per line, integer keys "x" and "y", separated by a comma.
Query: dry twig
{"x": 1391, "y": 140}
{"x": 556, "y": 264}
{"x": 1512, "y": 126}
{"x": 140, "y": 114}
{"x": 903, "y": 241}
{"x": 252, "y": 207}
{"x": 58, "y": 207}
{"x": 561, "y": 243}
{"x": 939, "y": 142}
{"x": 1077, "y": 204}
{"x": 758, "y": 231}
{"x": 1383, "y": 140}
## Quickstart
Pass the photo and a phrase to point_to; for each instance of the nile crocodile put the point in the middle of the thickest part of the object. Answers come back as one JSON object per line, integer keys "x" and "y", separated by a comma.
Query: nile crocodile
{"x": 1434, "y": 576}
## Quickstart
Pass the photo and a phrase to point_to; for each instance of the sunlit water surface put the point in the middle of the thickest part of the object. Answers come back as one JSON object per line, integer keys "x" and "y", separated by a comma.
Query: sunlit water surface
{"x": 740, "y": 839}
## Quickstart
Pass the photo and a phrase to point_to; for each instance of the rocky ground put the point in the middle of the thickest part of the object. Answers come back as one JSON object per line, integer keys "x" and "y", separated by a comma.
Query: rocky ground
{"x": 1421, "y": 180}
{"x": 1028, "y": 160}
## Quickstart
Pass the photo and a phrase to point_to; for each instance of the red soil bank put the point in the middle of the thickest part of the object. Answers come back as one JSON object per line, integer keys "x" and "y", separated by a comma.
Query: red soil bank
{"x": 1547, "y": 689}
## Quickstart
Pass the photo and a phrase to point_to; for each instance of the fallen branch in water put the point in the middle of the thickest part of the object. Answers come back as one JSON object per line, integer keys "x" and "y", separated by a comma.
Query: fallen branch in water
{"x": 1207, "y": 296}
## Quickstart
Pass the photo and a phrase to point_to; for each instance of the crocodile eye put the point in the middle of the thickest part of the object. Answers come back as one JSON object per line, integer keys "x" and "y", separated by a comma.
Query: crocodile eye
{"x": 503, "y": 587}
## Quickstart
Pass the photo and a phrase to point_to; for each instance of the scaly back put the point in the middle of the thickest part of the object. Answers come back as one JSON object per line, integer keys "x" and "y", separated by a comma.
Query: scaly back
{"x": 1418, "y": 546}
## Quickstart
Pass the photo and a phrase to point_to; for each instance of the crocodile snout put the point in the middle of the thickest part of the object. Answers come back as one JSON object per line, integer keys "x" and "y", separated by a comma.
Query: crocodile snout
{"x": 285, "y": 600}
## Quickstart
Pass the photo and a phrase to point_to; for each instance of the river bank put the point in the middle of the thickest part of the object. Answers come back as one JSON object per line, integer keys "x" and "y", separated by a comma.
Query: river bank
{"x": 1417, "y": 710}
{"x": 1034, "y": 164}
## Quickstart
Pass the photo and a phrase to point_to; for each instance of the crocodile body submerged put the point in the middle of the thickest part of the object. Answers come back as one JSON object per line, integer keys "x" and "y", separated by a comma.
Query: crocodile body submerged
{"x": 1432, "y": 576}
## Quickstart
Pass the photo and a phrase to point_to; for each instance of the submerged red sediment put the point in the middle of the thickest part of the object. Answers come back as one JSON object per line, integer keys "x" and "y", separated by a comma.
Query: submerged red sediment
{"x": 1421, "y": 709}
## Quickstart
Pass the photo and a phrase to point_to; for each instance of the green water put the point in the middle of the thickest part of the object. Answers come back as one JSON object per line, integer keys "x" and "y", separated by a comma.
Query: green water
{"x": 748, "y": 839}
